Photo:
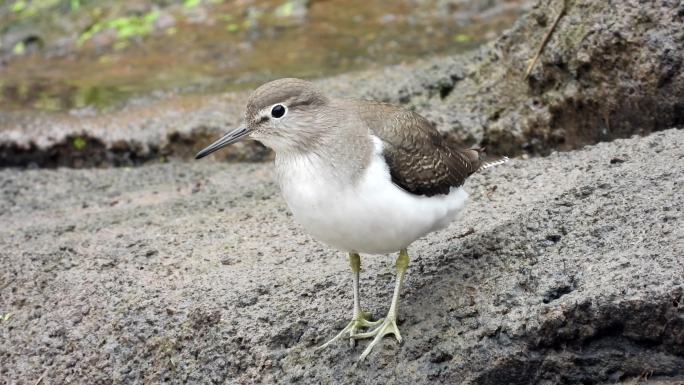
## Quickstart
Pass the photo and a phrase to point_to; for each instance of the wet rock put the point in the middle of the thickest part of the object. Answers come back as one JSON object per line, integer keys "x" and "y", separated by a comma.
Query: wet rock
{"x": 607, "y": 72}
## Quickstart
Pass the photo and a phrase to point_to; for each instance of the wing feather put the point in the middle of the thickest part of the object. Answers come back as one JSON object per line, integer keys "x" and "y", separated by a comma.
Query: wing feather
{"x": 419, "y": 159}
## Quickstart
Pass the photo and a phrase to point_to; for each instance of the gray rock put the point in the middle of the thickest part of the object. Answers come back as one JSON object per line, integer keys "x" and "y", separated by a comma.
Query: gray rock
{"x": 609, "y": 71}
{"x": 573, "y": 274}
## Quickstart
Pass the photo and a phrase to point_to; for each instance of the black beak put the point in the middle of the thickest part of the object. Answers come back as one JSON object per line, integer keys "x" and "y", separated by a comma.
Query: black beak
{"x": 234, "y": 136}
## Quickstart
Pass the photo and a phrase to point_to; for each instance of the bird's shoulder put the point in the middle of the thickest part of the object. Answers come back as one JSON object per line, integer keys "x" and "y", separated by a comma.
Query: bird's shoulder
{"x": 419, "y": 158}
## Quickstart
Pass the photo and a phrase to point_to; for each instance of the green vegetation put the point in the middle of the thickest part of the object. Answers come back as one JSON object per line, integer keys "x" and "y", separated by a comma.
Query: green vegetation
{"x": 285, "y": 10}
{"x": 463, "y": 38}
{"x": 19, "y": 48}
{"x": 126, "y": 27}
{"x": 79, "y": 143}
{"x": 18, "y": 6}
{"x": 25, "y": 8}
{"x": 83, "y": 54}
{"x": 191, "y": 3}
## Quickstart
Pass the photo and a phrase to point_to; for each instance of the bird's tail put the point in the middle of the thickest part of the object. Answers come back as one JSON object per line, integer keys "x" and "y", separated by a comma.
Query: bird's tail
{"x": 487, "y": 161}
{"x": 493, "y": 161}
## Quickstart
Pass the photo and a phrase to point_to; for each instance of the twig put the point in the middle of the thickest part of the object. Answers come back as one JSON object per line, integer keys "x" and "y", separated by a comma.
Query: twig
{"x": 546, "y": 40}
{"x": 40, "y": 379}
{"x": 467, "y": 232}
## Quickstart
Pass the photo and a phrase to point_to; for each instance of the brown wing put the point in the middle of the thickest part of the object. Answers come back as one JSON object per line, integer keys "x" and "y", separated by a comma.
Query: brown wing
{"x": 419, "y": 159}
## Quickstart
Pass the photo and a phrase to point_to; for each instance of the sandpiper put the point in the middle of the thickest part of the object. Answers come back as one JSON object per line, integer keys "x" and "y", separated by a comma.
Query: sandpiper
{"x": 361, "y": 176}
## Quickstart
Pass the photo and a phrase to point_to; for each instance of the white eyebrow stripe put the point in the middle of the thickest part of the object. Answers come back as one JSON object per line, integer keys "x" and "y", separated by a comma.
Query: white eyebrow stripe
{"x": 266, "y": 111}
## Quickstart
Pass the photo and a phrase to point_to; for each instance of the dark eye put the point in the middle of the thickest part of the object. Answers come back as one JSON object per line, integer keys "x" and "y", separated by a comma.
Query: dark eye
{"x": 278, "y": 111}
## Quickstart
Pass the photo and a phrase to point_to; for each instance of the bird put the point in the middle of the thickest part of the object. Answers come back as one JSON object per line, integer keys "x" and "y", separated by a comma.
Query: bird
{"x": 362, "y": 176}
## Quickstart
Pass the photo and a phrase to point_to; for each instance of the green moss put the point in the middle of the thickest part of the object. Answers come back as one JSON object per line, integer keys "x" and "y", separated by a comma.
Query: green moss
{"x": 126, "y": 27}
{"x": 79, "y": 143}
{"x": 285, "y": 10}
{"x": 19, "y": 48}
{"x": 18, "y": 6}
{"x": 24, "y": 8}
{"x": 463, "y": 38}
{"x": 191, "y": 3}
{"x": 48, "y": 102}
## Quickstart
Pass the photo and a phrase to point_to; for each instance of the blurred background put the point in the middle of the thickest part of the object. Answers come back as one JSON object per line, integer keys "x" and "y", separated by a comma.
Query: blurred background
{"x": 93, "y": 56}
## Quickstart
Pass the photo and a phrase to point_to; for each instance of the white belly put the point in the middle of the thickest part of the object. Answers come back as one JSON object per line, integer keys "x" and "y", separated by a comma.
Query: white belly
{"x": 374, "y": 216}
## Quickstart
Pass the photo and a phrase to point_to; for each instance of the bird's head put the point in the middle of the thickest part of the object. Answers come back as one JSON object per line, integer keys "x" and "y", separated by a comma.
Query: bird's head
{"x": 282, "y": 114}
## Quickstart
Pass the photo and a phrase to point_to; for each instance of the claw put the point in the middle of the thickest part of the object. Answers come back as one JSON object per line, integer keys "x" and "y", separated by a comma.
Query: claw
{"x": 389, "y": 326}
{"x": 361, "y": 318}
{"x": 358, "y": 322}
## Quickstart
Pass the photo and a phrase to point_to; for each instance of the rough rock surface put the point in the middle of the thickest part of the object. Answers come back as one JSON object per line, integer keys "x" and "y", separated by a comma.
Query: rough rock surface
{"x": 195, "y": 273}
{"x": 611, "y": 69}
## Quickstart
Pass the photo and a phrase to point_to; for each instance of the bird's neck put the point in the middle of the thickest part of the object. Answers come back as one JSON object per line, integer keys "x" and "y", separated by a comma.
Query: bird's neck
{"x": 342, "y": 153}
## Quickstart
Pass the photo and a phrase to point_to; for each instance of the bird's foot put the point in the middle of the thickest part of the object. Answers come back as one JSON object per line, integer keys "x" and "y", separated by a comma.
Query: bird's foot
{"x": 389, "y": 326}
{"x": 360, "y": 321}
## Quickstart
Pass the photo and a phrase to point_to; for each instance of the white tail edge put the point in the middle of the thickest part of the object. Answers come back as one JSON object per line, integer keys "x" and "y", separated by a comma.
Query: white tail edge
{"x": 492, "y": 163}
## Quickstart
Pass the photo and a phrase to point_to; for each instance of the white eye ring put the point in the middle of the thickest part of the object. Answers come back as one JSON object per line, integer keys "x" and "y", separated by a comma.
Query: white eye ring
{"x": 278, "y": 111}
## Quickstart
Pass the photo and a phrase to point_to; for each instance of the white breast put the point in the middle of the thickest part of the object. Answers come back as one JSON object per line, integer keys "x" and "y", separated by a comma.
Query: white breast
{"x": 372, "y": 216}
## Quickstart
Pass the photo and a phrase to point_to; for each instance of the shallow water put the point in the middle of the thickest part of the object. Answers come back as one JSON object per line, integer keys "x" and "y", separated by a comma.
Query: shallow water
{"x": 220, "y": 46}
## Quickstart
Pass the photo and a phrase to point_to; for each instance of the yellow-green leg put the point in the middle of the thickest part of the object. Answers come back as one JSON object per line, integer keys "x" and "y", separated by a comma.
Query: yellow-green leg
{"x": 360, "y": 319}
{"x": 389, "y": 326}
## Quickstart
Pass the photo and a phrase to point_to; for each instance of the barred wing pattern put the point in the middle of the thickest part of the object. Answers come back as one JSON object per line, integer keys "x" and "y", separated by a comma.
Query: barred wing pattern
{"x": 419, "y": 159}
